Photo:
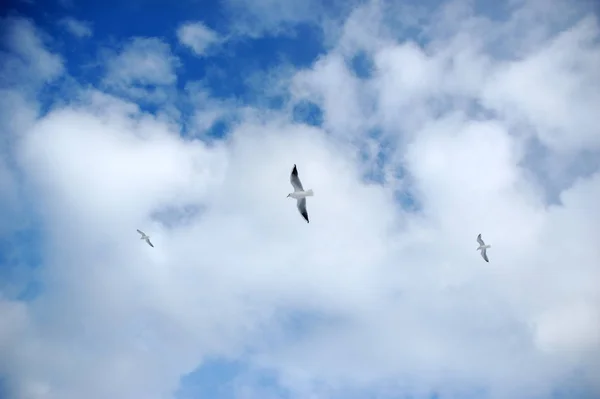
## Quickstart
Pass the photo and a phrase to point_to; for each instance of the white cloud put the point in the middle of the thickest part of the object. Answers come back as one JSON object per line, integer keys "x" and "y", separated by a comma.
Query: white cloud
{"x": 572, "y": 60}
{"x": 143, "y": 69}
{"x": 198, "y": 37}
{"x": 572, "y": 328}
{"x": 403, "y": 302}
{"x": 76, "y": 27}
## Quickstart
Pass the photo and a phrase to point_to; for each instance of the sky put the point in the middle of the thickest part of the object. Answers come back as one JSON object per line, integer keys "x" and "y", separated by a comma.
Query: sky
{"x": 418, "y": 125}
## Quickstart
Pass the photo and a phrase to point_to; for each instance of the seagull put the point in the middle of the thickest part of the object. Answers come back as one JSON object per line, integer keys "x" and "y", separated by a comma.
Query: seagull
{"x": 145, "y": 237}
{"x": 299, "y": 194}
{"x": 483, "y": 247}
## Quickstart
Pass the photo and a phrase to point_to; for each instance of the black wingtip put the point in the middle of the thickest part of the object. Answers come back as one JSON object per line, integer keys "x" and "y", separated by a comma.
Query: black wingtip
{"x": 305, "y": 216}
{"x": 294, "y": 170}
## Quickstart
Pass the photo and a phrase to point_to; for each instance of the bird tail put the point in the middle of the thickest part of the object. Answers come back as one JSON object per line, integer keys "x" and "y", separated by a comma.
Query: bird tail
{"x": 309, "y": 193}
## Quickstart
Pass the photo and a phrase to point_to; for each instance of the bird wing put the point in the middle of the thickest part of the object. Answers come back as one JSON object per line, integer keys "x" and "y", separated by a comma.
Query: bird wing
{"x": 295, "y": 180}
{"x": 479, "y": 240}
{"x": 301, "y": 203}
{"x": 484, "y": 255}
{"x": 149, "y": 243}
{"x": 141, "y": 232}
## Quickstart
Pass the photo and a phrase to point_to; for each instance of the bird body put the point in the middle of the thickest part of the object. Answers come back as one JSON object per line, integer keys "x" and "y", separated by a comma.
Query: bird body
{"x": 301, "y": 194}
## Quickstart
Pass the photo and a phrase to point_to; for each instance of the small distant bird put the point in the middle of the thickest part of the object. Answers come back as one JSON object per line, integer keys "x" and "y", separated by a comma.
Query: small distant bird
{"x": 145, "y": 237}
{"x": 299, "y": 194}
{"x": 483, "y": 247}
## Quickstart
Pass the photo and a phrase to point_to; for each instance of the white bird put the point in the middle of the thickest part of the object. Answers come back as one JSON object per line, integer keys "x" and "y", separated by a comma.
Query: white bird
{"x": 145, "y": 237}
{"x": 483, "y": 247}
{"x": 299, "y": 194}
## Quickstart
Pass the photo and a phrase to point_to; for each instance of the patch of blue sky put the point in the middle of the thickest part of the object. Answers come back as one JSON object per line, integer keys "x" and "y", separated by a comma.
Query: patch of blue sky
{"x": 374, "y": 153}
{"x": 408, "y": 200}
{"x": 4, "y": 389}
{"x": 20, "y": 258}
{"x": 220, "y": 128}
{"x": 55, "y": 95}
{"x": 361, "y": 64}
{"x": 298, "y": 324}
{"x": 21, "y": 241}
{"x": 377, "y": 154}
{"x": 225, "y": 379}
{"x": 307, "y": 112}
{"x": 213, "y": 379}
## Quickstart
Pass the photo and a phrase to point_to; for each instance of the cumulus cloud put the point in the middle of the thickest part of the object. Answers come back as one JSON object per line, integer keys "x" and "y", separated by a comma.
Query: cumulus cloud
{"x": 198, "y": 37}
{"x": 376, "y": 294}
{"x": 76, "y": 27}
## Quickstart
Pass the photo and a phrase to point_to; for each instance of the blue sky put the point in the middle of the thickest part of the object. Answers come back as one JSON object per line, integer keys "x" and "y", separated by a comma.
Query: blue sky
{"x": 418, "y": 124}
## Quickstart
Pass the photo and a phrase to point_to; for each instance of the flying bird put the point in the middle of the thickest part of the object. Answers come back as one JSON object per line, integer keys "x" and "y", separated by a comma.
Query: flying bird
{"x": 299, "y": 194}
{"x": 145, "y": 237}
{"x": 483, "y": 248}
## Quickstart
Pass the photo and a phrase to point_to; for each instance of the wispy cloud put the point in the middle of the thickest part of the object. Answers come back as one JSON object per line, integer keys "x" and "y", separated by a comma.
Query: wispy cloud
{"x": 198, "y": 37}
{"x": 28, "y": 61}
{"x": 142, "y": 68}
{"x": 76, "y": 27}
{"x": 273, "y": 18}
